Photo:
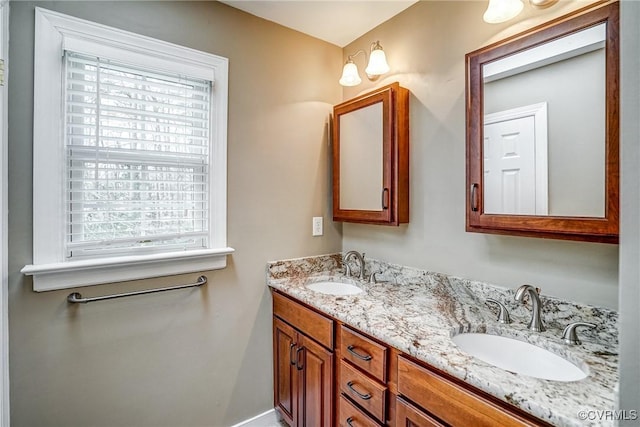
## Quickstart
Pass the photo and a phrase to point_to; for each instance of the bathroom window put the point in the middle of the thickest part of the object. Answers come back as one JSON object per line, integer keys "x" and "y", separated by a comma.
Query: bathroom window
{"x": 129, "y": 156}
{"x": 137, "y": 158}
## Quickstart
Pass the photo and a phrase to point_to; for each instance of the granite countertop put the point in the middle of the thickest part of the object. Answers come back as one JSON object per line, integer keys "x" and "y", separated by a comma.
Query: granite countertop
{"x": 418, "y": 312}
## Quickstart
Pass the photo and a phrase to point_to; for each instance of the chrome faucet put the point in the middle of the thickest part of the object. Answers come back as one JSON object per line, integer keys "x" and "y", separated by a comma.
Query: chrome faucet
{"x": 536, "y": 324}
{"x": 569, "y": 335}
{"x": 503, "y": 313}
{"x": 359, "y": 257}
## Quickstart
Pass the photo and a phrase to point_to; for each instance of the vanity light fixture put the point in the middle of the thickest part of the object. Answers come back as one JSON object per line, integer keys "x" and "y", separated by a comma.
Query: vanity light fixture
{"x": 502, "y": 10}
{"x": 376, "y": 67}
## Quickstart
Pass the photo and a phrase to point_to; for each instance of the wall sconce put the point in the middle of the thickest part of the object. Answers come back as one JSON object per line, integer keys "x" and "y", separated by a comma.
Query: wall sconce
{"x": 376, "y": 67}
{"x": 502, "y": 10}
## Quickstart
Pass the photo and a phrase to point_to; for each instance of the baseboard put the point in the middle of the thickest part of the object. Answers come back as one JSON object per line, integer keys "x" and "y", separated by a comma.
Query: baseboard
{"x": 266, "y": 419}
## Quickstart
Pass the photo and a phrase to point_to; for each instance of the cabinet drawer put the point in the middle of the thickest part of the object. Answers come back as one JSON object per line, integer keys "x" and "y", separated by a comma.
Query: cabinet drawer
{"x": 351, "y": 416}
{"x": 450, "y": 402}
{"x": 305, "y": 320}
{"x": 410, "y": 416}
{"x": 364, "y": 353}
{"x": 363, "y": 390}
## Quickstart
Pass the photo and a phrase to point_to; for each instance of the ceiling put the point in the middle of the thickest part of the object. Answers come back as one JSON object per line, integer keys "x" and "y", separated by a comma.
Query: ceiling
{"x": 337, "y": 22}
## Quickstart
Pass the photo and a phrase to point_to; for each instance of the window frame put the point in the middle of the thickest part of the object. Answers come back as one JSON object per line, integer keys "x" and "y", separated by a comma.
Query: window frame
{"x": 55, "y": 33}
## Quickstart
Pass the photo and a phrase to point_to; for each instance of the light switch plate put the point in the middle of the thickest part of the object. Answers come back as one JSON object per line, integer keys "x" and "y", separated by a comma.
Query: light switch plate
{"x": 317, "y": 226}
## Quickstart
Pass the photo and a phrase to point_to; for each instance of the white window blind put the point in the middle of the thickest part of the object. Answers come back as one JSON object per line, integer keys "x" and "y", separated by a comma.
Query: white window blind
{"x": 137, "y": 159}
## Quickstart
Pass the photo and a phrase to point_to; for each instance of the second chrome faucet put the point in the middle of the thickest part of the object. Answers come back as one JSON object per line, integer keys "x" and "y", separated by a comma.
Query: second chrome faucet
{"x": 569, "y": 335}
{"x": 536, "y": 323}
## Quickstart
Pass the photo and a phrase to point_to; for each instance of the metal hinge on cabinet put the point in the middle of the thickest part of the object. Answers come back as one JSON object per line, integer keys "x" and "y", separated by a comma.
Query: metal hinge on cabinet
{"x": 1, "y": 72}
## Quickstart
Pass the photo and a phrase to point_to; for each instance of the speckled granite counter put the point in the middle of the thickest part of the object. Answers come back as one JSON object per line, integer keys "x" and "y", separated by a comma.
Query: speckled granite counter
{"x": 418, "y": 312}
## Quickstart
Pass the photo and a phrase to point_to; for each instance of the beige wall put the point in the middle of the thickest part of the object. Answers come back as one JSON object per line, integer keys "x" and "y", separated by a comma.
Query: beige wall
{"x": 425, "y": 47}
{"x": 186, "y": 358}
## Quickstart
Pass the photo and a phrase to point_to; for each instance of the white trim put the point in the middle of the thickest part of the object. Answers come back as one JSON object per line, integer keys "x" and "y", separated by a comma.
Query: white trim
{"x": 92, "y": 38}
{"x": 4, "y": 211}
{"x": 64, "y": 275}
{"x": 53, "y": 32}
{"x": 541, "y": 141}
{"x": 266, "y": 419}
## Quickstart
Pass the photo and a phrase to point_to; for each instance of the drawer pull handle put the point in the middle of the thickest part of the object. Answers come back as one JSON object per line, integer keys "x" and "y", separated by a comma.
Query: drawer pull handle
{"x": 366, "y": 358}
{"x": 299, "y": 363}
{"x": 349, "y": 420}
{"x": 291, "y": 347}
{"x": 360, "y": 395}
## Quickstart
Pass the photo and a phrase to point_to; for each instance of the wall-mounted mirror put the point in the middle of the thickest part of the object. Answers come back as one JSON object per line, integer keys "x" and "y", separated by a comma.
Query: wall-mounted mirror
{"x": 371, "y": 157}
{"x": 542, "y": 131}
{"x": 361, "y": 170}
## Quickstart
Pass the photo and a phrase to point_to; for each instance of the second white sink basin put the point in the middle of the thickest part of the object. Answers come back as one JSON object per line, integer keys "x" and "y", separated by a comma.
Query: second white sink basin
{"x": 334, "y": 288}
{"x": 518, "y": 356}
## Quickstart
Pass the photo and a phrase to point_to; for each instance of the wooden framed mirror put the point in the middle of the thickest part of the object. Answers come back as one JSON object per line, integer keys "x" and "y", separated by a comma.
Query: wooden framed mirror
{"x": 543, "y": 130}
{"x": 371, "y": 157}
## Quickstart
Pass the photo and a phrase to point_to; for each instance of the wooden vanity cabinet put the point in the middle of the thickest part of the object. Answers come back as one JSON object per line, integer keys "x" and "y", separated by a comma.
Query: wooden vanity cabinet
{"x": 321, "y": 364}
{"x": 302, "y": 364}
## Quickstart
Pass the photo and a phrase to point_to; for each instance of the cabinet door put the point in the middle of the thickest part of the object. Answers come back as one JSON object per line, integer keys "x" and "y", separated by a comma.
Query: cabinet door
{"x": 315, "y": 380}
{"x": 284, "y": 385}
{"x": 408, "y": 416}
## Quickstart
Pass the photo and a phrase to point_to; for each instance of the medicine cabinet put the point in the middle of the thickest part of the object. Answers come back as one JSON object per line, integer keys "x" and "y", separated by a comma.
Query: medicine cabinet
{"x": 371, "y": 157}
{"x": 543, "y": 130}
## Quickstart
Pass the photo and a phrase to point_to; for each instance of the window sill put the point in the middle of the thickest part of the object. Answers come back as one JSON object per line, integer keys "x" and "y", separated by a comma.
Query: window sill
{"x": 73, "y": 274}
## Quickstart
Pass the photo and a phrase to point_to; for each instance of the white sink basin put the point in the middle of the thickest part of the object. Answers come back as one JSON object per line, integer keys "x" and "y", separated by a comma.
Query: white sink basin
{"x": 518, "y": 356}
{"x": 334, "y": 288}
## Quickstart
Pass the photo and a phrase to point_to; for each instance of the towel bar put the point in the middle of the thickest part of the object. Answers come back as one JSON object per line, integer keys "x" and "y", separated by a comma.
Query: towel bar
{"x": 76, "y": 298}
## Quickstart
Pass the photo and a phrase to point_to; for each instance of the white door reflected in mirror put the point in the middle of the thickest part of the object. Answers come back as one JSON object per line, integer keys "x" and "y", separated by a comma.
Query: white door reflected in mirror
{"x": 516, "y": 161}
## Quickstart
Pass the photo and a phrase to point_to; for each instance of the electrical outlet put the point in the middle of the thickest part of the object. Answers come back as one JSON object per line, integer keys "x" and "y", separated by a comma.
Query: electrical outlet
{"x": 317, "y": 226}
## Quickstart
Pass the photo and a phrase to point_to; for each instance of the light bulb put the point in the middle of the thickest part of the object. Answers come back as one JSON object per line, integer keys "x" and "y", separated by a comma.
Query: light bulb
{"x": 377, "y": 62}
{"x": 350, "y": 76}
{"x": 502, "y": 10}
